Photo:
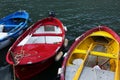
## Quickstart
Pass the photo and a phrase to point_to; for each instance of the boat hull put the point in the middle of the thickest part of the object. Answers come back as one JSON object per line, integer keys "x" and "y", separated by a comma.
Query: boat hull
{"x": 5, "y": 43}
{"x": 37, "y": 48}
{"x": 26, "y": 72}
{"x": 83, "y": 55}
{"x": 12, "y": 26}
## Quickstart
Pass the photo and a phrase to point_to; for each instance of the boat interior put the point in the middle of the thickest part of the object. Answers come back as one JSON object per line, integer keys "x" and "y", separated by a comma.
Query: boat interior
{"x": 11, "y": 24}
{"x": 48, "y": 34}
{"x": 39, "y": 39}
{"x": 95, "y": 58}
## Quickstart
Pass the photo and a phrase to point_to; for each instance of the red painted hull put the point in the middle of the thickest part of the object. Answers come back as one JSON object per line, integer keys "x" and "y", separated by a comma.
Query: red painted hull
{"x": 25, "y": 72}
{"x": 81, "y": 38}
{"x": 36, "y": 48}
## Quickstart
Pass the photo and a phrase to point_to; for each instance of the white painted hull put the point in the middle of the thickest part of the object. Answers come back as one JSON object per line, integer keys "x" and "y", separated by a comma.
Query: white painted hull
{"x": 5, "y": 43}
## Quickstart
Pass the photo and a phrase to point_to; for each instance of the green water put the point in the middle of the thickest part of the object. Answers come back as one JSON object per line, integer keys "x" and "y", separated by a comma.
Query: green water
{"x": 77, "y": 15}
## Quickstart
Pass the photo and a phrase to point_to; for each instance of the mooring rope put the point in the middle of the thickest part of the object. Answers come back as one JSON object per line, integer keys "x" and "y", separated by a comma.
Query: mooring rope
{"x": 14, "y": 77}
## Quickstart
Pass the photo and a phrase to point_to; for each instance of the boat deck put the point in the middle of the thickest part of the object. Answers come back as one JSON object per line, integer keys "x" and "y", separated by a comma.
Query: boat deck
{"x": 43, "y": 35}
{"x": 89, "y": 73}
{"x": 40, "y": 39}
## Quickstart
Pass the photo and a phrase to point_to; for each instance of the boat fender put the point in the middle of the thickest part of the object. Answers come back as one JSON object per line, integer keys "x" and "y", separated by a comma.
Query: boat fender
{"x": 65, "y": 28}
{"x": 65, "y": 54}
{"x": 58, "y": 56}
{"x": 60, "y": 71}
{"x": 65, "y": 42}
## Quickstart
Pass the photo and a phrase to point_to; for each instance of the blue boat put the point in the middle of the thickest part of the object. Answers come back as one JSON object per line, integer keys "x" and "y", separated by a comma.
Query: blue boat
{"x": 12, "y": 26}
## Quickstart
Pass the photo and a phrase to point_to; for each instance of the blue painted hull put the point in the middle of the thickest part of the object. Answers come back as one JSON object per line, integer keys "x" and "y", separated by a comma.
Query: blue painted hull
{"x": 12, "y": 26}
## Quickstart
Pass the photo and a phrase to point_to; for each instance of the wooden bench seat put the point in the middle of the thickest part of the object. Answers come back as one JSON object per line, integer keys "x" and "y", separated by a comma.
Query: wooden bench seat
{"x": 102, "y": 54}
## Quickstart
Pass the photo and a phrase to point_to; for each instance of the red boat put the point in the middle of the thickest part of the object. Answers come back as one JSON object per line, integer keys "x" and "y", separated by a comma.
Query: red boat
{"x": 37, "y": 48}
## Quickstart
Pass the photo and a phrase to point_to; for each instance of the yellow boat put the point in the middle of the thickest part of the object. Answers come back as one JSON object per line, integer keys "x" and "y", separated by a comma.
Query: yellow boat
{"x": 93, "y": 56}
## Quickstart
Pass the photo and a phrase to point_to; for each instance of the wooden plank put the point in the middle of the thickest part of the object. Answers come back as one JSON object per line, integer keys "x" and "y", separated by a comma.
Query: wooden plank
{"x": 102, "y": 54}
{"x": 79, "y": 71}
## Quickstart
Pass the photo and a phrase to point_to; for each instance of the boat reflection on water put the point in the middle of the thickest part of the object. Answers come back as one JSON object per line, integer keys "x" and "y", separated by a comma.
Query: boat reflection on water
{"x": 5, "y": 69}
{"x": 5, "y": 73}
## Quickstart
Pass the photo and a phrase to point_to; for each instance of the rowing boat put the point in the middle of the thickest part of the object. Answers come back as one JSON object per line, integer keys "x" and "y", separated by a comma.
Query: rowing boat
{"x": 12, "y": 26}
{"x": 93, "y": 56}
{"x": 38, "y": 47}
